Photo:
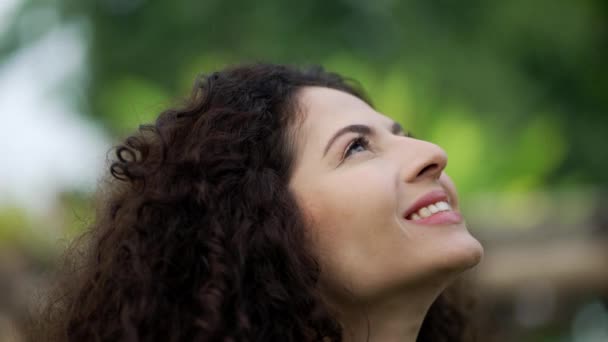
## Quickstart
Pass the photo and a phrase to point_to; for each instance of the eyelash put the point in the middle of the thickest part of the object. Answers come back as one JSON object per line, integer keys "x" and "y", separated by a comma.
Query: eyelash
{"x": 362, "y": 140}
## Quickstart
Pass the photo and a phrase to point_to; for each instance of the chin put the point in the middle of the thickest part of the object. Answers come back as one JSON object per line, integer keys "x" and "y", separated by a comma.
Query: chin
{"x": 454, "y": 259}
{"x": 464, "y": 253}
{"x": 473, "y": 254}
{"x": 470, "y": 253}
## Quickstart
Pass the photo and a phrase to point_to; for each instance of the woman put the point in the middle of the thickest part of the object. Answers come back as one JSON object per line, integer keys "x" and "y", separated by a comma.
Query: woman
{"x": 275, "y": 205}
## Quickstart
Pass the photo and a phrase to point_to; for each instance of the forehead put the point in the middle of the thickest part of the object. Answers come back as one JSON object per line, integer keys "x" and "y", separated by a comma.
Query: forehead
{"x": 326, "y": 110}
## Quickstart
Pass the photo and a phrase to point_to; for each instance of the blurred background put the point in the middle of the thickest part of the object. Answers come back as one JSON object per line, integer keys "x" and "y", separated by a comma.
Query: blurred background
{"x": 515, "y": 91}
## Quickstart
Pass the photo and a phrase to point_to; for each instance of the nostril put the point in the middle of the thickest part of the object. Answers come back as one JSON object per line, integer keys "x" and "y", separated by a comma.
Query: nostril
{"x": 429, "y": 168}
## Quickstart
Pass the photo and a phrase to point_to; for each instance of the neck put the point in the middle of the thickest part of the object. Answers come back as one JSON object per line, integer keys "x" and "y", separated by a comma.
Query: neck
{"x": 394, "y": 318}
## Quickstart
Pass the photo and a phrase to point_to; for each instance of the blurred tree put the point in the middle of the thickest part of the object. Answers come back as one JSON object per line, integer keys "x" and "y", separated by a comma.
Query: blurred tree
{"x": 515, "y": 91}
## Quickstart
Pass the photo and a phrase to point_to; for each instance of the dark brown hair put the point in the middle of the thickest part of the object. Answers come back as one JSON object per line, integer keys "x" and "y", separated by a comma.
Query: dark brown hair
{"x": 196, "y": 236}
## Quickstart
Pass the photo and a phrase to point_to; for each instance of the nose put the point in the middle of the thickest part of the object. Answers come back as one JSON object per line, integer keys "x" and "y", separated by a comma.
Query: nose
{"x": 428, "y": 161}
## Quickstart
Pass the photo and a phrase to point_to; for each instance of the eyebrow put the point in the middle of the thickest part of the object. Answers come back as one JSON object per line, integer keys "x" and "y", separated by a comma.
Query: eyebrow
{"x": 361, "y": 129}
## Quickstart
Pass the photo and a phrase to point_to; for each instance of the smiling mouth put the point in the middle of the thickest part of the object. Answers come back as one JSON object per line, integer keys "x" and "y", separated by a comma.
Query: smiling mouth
{"x": 434, "y": 208}
{"x": 429, "y": 210}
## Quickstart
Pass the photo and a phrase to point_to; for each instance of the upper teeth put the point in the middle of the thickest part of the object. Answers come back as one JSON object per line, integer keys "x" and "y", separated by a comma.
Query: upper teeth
{"x": 430, "y": 210}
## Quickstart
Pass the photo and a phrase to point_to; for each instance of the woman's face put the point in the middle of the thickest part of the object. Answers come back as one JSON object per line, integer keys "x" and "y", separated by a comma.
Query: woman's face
{"x": 366, "y": 189}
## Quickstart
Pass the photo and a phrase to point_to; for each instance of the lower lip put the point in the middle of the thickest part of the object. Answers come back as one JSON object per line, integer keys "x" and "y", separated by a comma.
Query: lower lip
{"x": 444, "y": 217}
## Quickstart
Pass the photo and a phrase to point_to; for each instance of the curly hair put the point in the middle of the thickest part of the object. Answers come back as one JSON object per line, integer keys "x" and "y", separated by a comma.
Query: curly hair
{"x": 196, "y": 236}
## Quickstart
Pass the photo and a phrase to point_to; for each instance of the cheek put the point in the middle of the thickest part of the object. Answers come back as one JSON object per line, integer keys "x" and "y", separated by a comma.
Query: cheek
{"x": 352, "y": 204}
{"x": 353, "y": 224}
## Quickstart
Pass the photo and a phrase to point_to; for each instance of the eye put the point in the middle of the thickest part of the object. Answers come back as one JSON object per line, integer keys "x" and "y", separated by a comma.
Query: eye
{"x": 358, "y": 144}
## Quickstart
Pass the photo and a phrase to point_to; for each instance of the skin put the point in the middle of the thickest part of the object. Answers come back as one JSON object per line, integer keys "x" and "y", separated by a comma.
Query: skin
{"x": 379, "y": 272}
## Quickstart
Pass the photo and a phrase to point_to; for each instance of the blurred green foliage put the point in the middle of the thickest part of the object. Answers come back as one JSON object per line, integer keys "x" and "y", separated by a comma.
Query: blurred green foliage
{"x": 515, "y": 91}
{"x": 45, "y": 236}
